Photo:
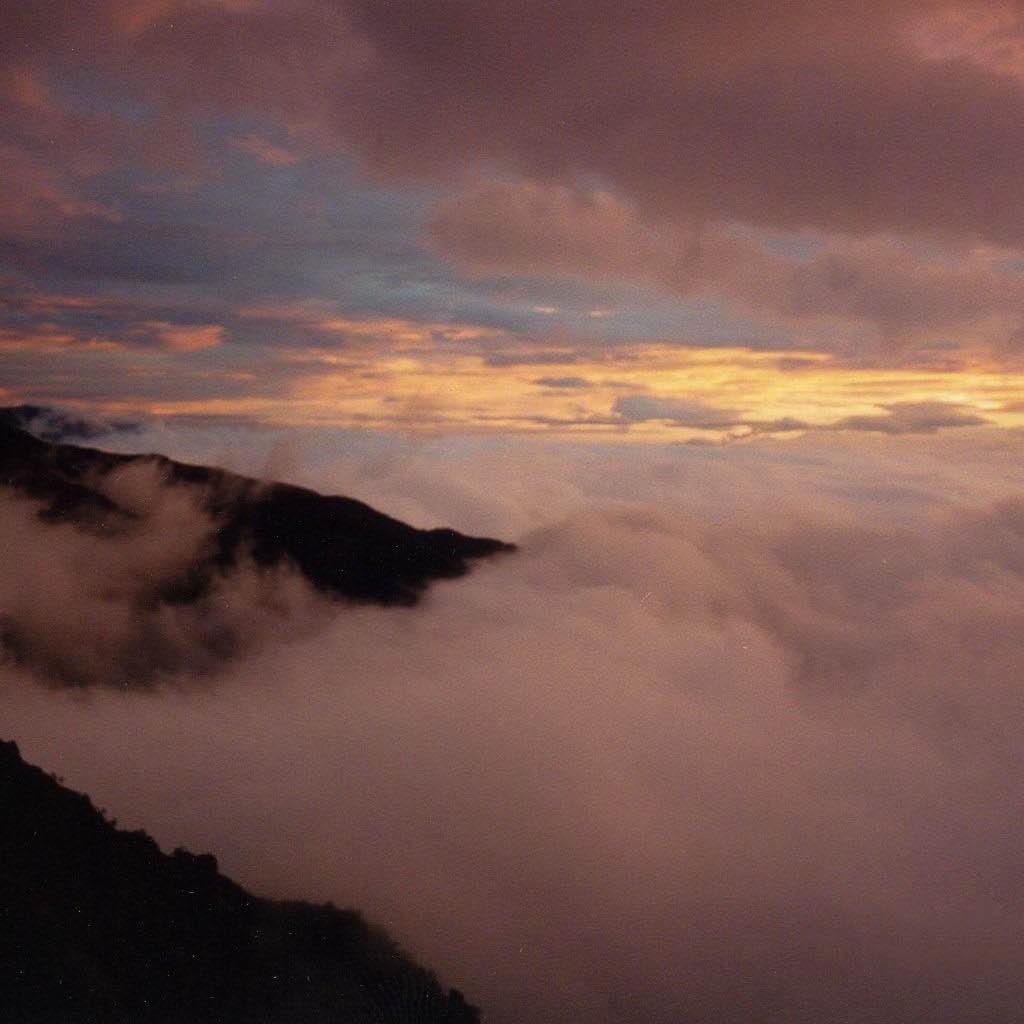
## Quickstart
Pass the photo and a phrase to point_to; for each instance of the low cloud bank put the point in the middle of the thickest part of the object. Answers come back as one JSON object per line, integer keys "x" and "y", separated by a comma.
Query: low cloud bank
{"x": 110, "y": 601}
{"x": 733, "y": 737}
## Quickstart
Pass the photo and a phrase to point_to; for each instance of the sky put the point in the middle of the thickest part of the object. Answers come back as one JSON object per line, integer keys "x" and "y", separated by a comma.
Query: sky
{"x": 656, "y": 221}
{"x": 716, "y": 310}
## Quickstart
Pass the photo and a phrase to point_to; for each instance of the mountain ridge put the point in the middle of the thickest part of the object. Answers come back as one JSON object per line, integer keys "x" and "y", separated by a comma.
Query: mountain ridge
{"x": 99, "y": 926}
{"x": 343, "y": 546}
{"x": 177, "y": 567}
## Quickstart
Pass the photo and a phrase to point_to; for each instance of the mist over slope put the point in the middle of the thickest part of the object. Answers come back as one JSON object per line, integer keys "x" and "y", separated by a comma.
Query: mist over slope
{"x": 152, "y": 566}
{"x": 98, "y": 925}
{"x": 735, "y": 736}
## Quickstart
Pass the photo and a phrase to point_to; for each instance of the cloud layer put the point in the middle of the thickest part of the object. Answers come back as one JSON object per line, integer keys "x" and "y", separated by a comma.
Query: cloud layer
{"x": 90, "y": 605}
{"x": 734, "y": 736}
{"x": 800, "y": 115}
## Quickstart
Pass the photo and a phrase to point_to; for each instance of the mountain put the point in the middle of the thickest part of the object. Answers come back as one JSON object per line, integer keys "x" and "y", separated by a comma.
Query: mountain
{"x": 342, "y": 546}
{"x": 98, "y": 926}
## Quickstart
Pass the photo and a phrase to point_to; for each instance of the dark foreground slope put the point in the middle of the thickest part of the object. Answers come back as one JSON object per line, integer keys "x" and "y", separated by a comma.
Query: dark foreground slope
{"x": 342, "y": 546}
{"x": 97, "y": 926}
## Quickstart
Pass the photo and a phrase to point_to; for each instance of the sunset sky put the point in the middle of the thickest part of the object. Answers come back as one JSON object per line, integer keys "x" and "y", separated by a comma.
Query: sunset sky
{"x": 649, "y": 221}
{"x": 715, "y": 309}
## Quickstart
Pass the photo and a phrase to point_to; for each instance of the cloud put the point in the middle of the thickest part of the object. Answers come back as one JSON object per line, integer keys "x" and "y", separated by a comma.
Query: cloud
{"x": 527, "y": 228}
{"x": 887, "y": 293}
{"x": 562, "y": 382}
{"x": 266, "y": 152}
{"x": 188, "y": 337}
{"x": 855, "y": 191}
{"x": 897, "y": 417}
{"x": 533, "y": 357}
{"x": 685, "y": 412}
{"x": 734, "y": 736}
{"x": 84, "y": 606}
{"x": 39, "y": 201}
{"x": 913, "y": 418}
{"x": 855, "y": 124}
{"x": 849, "y": 126}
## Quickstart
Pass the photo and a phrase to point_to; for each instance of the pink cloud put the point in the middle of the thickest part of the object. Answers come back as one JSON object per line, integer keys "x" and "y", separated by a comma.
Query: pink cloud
{"x": 187, "y": 338}
{"x": 820, "y": 115}
{"x": 266, "y": 152}
{"x": 760, "y": 755}
{"x": 878, "y": 290}
{"x": 37, "y": 200}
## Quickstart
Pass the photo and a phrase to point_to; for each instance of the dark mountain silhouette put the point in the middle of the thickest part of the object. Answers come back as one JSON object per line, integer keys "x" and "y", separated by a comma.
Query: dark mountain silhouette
{"x": 98, "y": 926}
{"x": 170, "y": 569}
{"x": 342, "y": 546}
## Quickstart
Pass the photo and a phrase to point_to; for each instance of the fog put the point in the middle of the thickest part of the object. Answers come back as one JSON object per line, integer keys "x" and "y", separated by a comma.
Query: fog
{"x": 82, "y": 604}
{"x": 734, "y": 736}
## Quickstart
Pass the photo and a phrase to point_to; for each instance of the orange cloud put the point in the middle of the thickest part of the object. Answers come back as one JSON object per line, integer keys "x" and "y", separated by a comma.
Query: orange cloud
{"x": 51, "y": 338}
{"x": 179, "y": 338}
{"x": 990, "y": 35}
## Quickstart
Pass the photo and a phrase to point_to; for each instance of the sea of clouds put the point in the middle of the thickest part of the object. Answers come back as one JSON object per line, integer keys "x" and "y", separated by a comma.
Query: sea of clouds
{"x": 733, "y": 737}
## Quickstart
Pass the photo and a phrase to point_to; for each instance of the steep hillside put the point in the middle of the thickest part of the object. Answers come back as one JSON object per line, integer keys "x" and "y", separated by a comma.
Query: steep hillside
{"x": 98, "y": 926}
